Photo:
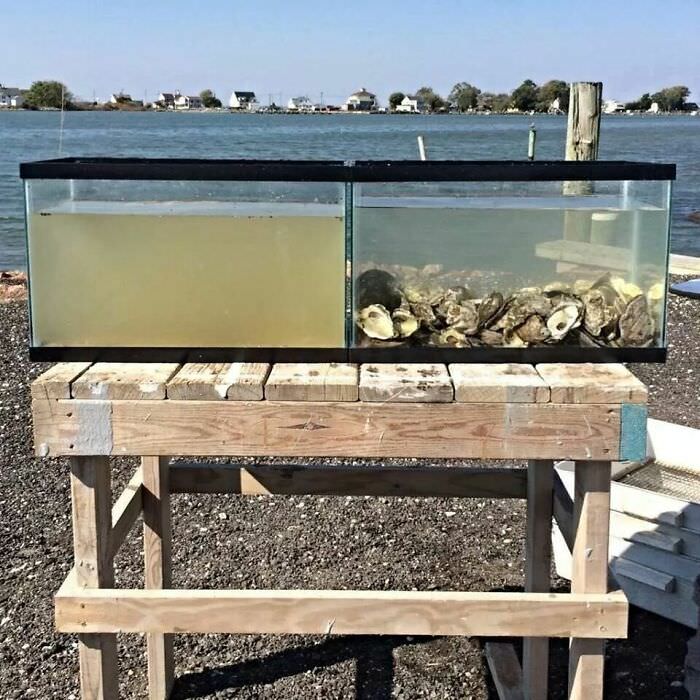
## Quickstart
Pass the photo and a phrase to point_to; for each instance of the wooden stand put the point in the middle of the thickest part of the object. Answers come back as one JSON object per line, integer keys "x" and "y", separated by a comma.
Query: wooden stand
{"x": 591, "y": 414}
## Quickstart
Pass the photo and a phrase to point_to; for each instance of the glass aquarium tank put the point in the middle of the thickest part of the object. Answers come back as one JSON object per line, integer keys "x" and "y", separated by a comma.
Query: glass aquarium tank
{"x": 399, "y": 261}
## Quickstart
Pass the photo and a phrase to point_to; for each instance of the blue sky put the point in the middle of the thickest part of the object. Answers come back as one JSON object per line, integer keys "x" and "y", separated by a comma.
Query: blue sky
{"x": 309, "y": 46}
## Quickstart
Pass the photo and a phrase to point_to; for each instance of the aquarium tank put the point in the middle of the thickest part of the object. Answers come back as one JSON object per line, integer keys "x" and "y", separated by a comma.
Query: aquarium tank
{"x": 303, "y": 261}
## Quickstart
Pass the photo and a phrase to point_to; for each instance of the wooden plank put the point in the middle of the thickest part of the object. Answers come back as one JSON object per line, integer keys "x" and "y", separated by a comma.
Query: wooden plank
{"x": 499, "y": 383}
{"x": 342, "y": 612}
{"x": 538, "y": 558}
{"x": 643, "y": 574}
{"x": 563, "y": 506}
{"x": 238, "y": 381}
{"x": 157, "y": 568}
{"x": 589, "y": 572}
{"x": 299, "y": 429}
{"x": 124, "y": 380}
{"x": 126, "y": 510}
{"x": 92, "y": 524}
{"x": 505, "y": 670}
{"x": 55, "y": 383}
{"x": 577, "y": 252}
{"x": 428, "y": 383}
{"x": 592, "y": 383}
{"x": 312, "y": 382}
{"x": 468, "y": 482}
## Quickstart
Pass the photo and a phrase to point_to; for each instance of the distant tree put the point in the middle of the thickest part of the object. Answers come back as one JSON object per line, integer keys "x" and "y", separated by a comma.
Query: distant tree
{"x": 431, "y": 99}
{"x": 494, "y": 102}
{"x": 549, "y": 92}
{"x": 395, "y": 99}
{"x": 525, "y": 96}
{"x": 209, "y": 99}
{"x": 640, "y": 105}
{"x": 464, "y": 96}
{"x": 48, "y": 93}
{"x": 671, "y": 99}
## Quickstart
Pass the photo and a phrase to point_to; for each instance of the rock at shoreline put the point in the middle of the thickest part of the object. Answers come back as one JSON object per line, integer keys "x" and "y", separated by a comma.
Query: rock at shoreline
{"x": 13, "y": 285}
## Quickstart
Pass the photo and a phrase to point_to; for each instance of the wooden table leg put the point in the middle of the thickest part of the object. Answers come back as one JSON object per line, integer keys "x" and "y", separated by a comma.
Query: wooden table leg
{"x": 589, "y": 571}
{"x": 538, "y": 556}
{"x": 157, "y": 562}
{"x": 91, "y": 495}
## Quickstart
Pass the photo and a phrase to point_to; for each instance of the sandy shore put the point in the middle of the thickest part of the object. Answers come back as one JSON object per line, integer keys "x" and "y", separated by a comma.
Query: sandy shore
{"x": 301, "y": 542}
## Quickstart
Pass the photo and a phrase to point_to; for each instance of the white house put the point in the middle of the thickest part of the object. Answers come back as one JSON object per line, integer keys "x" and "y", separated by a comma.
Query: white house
{"x": 361, "y": 101}
{"x": 167, "y": 99}
{"x": 613, "y": 107}
{"x": 188, "y": 102}
{"x": 555, "y": 106}
{"x": 10, "y": 97}
{"x": 120, "y": 98}
{"x": 412, "y": 104}
{"x": 300, "y": 104}
{"x": 241, "y": 99}
{"x": 654, "y": 109}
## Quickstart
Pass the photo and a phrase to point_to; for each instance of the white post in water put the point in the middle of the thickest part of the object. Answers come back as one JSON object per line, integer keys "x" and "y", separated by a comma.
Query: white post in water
{"x": 421, "y": 148}
{"x": 531, "y": 141}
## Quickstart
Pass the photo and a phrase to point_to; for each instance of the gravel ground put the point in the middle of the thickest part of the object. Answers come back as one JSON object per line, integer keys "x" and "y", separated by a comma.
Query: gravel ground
{"x": 300, "y": 542}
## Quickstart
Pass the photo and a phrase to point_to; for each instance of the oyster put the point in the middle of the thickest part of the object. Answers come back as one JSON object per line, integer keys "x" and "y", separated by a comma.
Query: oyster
{"x": 491, "y": 338}
{"x": 376, "y": 322}
{"x": 378, "y": 287}
{"x": 557, "y": 288}
{"x": 490, "y": 308}
{"x": 450, "y": 337}
{"x": 512, "y": 340}
{"x": 598, "y": 316}
{"x": 520, "y": 307}
{"x": 457, "y": 294}
{"x": 534, "y": 330}
{"x": 465, "y": 318}
{"x": 636, "y": 324}
{"x": 405, "y": 323}
{"x": 565, "y": 317}
{"x": 425, "y": 314}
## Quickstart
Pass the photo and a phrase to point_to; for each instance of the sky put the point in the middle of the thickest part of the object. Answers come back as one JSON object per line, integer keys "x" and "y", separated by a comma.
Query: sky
{"x": 280, "y": 48}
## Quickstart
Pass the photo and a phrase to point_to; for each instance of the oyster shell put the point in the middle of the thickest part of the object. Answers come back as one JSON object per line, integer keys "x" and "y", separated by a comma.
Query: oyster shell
{"x": 512, "y": 340}
{"x": 465, "y": 318}
{"x": 452, "y": 338}
{"x": 636, "y": 324}
{"x": 457, "y": 294}
{"x": 491, "y": 338}
{"x": 425, "y": 314}
{"x": 376, "y": 322}
{"x": 378, "y": 287}
{"x": 534, "y": 330}
{"x": 490, "y": 308}
{"x": 598, "y": 317}
{"x": 565, "y": 317}
{"x": 405, "y": 323}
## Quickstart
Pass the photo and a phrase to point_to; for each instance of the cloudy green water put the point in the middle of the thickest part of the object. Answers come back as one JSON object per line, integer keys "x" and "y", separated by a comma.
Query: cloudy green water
{"x": 28, "y": 136}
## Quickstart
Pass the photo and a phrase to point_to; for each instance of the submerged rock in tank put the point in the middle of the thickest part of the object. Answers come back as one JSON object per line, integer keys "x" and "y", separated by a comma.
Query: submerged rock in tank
{"x": 378, "y": 287}
{"x": 636, "y": 324}
{"x": 376, "y": 322}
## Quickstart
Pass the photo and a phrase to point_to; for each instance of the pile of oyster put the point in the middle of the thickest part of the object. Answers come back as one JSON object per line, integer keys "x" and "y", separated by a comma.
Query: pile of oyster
{"x": 608, "y": 312}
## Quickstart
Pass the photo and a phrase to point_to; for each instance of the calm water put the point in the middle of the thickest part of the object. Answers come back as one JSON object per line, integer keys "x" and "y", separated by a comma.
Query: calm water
{"x": 28, "y": 136}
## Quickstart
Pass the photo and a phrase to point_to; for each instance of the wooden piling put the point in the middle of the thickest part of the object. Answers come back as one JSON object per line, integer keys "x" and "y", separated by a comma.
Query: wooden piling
{"x": 421, "y": 148}
{"x": 531, "y": 141}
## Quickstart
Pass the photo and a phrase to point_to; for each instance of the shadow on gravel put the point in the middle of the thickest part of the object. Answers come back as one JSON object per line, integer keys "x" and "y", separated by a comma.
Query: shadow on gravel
{"x": 374, "y": 671}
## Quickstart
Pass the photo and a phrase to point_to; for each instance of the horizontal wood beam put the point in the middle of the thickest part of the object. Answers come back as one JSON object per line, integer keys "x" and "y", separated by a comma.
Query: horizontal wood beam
{"x": 342, "y": 612}
{"x": 126, "y": 510}
{"x": 309, "y": 429}
{"x": 295, "y": 479}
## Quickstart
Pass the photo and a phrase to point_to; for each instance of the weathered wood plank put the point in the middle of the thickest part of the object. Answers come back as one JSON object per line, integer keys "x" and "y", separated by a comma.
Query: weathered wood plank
{"x": 298, "y": 429}
{"x": 579, "y": 252}
{"x": 592, "y": 383}
{"x": 499, "y": 383}
{"x": 238, "y": 381}
{"x": 55, "y": 383}
{"x": 92, "y": 525}
{"x": 342, "y": 612}
{"x": 563, "y": 507}
{"x": 505, "y": 670}
{"x": 312, "y": 382}
{"x": 589, "y": 572}
{"x": 428, "y": 383}
{"x": 157, "y": 568}
{"x": 538, "y": 557}
{"x": 124, "y": 380}
{"x": 468, "y": 482}
{"x": 126, "y": 510}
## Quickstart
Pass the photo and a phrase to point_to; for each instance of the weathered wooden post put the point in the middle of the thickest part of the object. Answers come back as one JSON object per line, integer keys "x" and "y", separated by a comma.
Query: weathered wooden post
{"x": 531, "y": 141}
{"x": 582, "y": 140}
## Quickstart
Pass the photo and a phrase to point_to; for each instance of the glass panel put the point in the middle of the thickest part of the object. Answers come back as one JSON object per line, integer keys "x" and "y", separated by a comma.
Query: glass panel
{"x": 186, "y": 263}
{"x": 514, "y": 264}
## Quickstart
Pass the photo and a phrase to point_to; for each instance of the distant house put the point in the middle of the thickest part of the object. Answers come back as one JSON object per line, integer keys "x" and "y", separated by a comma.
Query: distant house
{"x": 188, "y": 102}
{"x": 361, "y": 101}
{"x": 654, "y": 109}
{"x": 613, "y": 107}
{"x": 300, "y": 104}
{"x": 555, "y": 107}
{"x": 167, "y": 99}
{"x": 241, "y": 99}
{"x": 412, "y": 104}
{"x": 10, "y": 97}
{"x": 120, "y": 98}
